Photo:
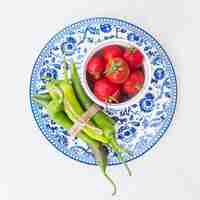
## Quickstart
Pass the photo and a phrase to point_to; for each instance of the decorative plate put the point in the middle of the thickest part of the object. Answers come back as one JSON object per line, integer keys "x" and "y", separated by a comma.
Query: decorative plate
{"x": 140, "y": 126}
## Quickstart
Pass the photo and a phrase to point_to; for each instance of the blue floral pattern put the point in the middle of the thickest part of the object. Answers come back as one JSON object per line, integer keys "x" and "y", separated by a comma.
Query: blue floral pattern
{"x": 105, "y": 28}
{"x": 132, "y": 37}
{"x": 140, "y": 126}
{"x": 147, "y": 104}
{"x": 68, "y": 47}
{"x": 159, "y": 74}
{"x": 47, "y": 72}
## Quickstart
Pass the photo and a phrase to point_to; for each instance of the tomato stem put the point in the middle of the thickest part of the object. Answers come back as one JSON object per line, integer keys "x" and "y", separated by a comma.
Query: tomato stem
{"x": 138, "y": 86}
{"x": 112, "y": 99}
{"x": 131, "y": 50}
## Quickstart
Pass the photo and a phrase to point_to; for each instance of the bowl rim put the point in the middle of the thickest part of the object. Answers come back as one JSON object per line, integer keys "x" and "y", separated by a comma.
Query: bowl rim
{"x": 146, "y": 66}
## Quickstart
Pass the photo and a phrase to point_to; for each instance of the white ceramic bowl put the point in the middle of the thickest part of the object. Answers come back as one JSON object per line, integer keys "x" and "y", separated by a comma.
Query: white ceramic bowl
{"x": 134, "y": 99}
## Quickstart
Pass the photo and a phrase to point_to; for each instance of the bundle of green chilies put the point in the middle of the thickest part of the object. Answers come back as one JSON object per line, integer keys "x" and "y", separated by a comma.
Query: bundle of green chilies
{"x": 66, "y": 101}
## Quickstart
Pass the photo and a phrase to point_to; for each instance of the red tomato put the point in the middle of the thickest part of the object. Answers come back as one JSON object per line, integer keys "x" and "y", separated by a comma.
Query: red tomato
{"x": 137, "y": 77}
{"x": 117, "y": 70}
{"x": 134, "y": 83}
{"x": 133, "y": 57}
{"x": 106, "y": 91}
{"x": 95, "y": 67}
{"x": 112, "y": 51}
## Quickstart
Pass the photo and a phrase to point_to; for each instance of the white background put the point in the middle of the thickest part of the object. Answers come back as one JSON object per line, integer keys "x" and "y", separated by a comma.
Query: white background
{"x": 30, "y": 168}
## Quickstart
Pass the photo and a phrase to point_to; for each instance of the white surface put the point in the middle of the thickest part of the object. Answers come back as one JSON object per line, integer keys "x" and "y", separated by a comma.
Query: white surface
{"x": 3, "y": 192}
{"x": 33, "y": 169}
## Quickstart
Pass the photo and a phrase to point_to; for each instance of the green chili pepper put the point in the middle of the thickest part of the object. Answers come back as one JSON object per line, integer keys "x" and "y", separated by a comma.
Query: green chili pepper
{"x": 75, "y": 111}
{"x": 100, "y": 118}
{"x": 101, "y": 154}
{"x": 42, "y": 99}
{"x": 56, "y": 113}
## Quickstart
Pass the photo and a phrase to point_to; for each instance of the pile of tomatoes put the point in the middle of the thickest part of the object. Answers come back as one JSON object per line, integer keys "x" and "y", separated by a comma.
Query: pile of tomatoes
{"x": 116, "y": 73}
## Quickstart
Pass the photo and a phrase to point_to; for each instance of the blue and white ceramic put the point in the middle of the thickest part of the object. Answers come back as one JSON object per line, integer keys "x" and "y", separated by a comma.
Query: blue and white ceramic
{"x": 139, "y": 126}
